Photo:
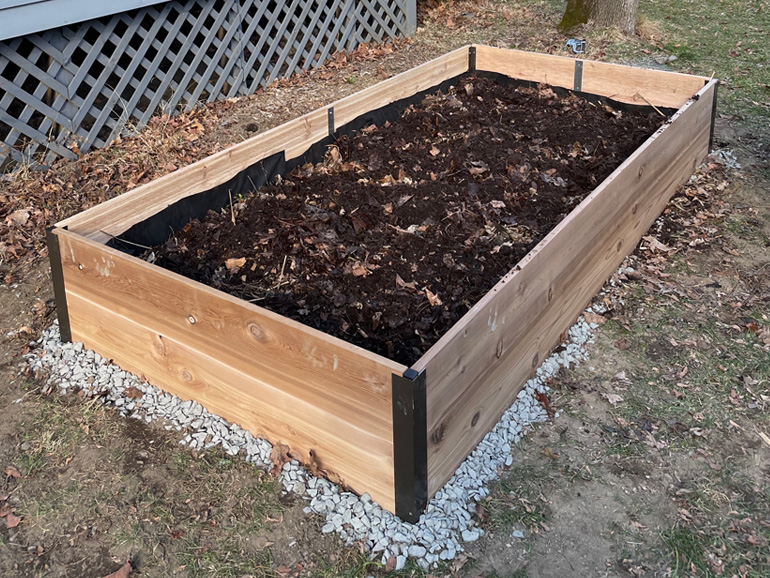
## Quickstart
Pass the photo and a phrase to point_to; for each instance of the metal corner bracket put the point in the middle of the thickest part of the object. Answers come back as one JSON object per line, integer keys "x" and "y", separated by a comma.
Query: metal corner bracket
{"x": 577, "y": 85}
{"x": 330, "y": 117}
{"x": 713, "y": 117}
{"x": 57, "y": 277}
{"x": 410, "y": 445}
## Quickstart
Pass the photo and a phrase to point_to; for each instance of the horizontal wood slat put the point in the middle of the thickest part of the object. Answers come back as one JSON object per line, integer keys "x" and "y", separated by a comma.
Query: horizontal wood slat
{"x": 640, "y": 85}
{"x": 476, "y": 370}
{"x": 530, "y": 66}
{"x": 621, "y": 83}
{"x": 114, "y": 217}
{"x": 297, "y": 385}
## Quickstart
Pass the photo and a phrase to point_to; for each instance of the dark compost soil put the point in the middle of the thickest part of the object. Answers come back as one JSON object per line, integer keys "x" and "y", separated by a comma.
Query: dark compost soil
{"x": 404, "y": 227}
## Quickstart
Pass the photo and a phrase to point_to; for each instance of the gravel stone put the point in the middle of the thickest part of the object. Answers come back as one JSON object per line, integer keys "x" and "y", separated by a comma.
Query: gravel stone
{"x": 447, "y": 519}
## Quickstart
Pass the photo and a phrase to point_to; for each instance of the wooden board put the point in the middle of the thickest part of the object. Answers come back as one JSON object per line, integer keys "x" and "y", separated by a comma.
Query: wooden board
{"x": 530, "y": 66}
{"x": 476, "y": 370}
{"x": 269, "y": 374}
{"x": 640, "y": 85}
{"x": 114, "y": 217}
{"x": 622, "y": 83}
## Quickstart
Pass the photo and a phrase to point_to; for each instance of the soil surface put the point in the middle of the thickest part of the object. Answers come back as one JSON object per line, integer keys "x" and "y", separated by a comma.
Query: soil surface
{"x": 402, "y": 228}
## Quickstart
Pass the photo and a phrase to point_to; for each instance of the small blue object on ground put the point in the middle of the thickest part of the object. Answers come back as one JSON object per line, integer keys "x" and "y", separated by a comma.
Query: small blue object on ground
{"x": 578, "y": 46}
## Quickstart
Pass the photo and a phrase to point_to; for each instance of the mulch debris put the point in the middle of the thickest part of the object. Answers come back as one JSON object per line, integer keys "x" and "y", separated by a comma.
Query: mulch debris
{"x": 402, "y": 228}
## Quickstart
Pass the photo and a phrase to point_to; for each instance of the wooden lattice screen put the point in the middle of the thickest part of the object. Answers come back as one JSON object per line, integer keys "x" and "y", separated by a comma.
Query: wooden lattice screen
{"x": 86, "y": 82}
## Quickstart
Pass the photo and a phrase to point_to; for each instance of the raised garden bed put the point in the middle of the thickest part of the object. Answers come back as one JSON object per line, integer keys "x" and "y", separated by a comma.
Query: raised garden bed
{"x": 381, "y": 427}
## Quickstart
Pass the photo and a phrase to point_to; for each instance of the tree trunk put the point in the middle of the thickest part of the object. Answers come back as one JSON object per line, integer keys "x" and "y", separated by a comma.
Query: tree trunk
{"x": 601, "y": 13}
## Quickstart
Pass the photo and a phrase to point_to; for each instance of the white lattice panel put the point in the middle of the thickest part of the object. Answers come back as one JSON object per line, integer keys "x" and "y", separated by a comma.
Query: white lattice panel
{"x": 86, "y": 83}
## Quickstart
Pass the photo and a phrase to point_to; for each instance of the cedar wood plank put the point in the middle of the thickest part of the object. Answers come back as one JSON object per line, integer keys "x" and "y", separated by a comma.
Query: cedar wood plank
{"x": 622, "y": 83}
{"x": 476, "y": 370}
{"x": 640, "y": 86}
{"x": 114, "y": 217}
{"x": 291, "y": 383}
{"x": 530, "y": 66}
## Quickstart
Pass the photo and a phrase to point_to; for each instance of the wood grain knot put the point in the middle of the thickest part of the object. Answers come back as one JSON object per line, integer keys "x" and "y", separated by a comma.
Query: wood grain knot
{"x": 475, "y": 419}
{"x": 620, "y": 246}
{"x": 438, "y": 434}
{"x": 535, "y": 361}
{"x": 641, "y": 171}
{"x": 256, "y": 331}
{"x": 550, "y": 294}
{"x": 499, "y": 350}
{"x": 634, "y": 208}
{"x": 187, "y": 376}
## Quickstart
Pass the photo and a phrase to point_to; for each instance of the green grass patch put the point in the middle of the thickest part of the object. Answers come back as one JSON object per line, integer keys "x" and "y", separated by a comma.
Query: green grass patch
{"x": 689, "y": 551}
{"x": 727, "y": 39}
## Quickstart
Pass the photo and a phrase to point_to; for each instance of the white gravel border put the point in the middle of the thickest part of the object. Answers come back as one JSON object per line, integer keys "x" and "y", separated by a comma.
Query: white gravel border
{"x": 442, "y": 530}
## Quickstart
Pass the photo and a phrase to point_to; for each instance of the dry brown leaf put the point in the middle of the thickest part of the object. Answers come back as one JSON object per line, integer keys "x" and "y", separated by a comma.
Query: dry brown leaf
{"x": 19, "y": 217}
{"x": 550, "y": 453}
{"x": 622, "y": 344}
{"x": 433, "y": 299}
{"x": 122, "y": 572}
{"x": 656, "y": 245}
{"x": 592, "y": 317}
{"x": 478, "y": 168}
{"x": 234, "y": 265}
{"x": 133, "y": 392}
{"x": 390, "y": 565}
{"x": 716, "y": 564}
{"x": 358, "y": 224}
{"x": 12, "y": 472}
{"x": 401, "y": 284}
{"x": 434, "y": 151}
{"x": 542, "y": 398}
{"x": 403, "y": 199}
{"x": 12, "y": 520}
{"x": 359, "y": 270}
{"x": 279, "y": 456}
{"x": 613, "y": 398}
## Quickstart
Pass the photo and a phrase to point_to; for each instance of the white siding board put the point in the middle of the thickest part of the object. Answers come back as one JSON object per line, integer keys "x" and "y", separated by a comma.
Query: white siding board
{"x": 20, "y": 17}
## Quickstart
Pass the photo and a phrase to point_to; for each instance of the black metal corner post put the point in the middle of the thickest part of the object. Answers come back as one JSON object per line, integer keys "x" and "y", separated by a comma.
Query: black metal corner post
{"x": 577, "y": 84}
{"x": 330, "y": 119}
{"x": 713, "y": 116}
{"x": 410, "y": 445}
{"x": 472, "y": 59}
{"x": 57, "y": 276}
